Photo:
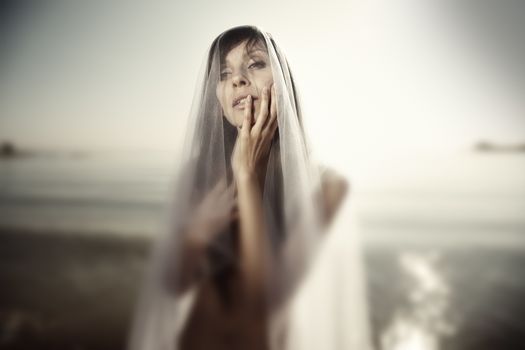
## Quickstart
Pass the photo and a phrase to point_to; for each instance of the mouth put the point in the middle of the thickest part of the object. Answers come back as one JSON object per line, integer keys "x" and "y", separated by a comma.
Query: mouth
{"x": 240, "y": 101}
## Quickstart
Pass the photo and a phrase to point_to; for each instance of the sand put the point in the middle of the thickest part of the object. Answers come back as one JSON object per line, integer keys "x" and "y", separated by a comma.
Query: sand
{"x": 69, "y": 291}
{"x": 73, "y": 291}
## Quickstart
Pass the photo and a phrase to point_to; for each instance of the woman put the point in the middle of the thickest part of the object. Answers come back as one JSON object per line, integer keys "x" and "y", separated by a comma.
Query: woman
{"x": 249, "y": 213}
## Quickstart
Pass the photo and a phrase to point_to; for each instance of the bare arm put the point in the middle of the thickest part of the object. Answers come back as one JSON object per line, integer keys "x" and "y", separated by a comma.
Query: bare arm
{"x": 334, "y": 189}
{"x": 187, "y": 265}
{"x": 187, "y": 261}
{"x": 248, "y": 163}
{"x": 332, "y": 192}
{"x": 253, "y": 243}
{"x": 256, "y": 258}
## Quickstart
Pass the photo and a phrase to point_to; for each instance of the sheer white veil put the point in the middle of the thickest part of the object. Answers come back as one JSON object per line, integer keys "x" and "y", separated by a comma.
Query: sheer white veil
{"x": 293, "y": 218}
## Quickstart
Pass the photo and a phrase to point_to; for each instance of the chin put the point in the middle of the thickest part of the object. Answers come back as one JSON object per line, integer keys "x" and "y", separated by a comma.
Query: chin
{"x": 238, "y": 118}
{"x": 238, "y": 121}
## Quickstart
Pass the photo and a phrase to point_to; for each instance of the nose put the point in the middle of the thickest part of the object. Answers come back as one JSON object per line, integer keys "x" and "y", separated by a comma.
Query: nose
{"x": 239, "y": 80}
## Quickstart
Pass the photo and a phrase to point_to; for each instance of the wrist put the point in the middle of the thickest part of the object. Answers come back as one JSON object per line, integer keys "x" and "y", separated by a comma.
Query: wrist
{"x": 245, "y": 176}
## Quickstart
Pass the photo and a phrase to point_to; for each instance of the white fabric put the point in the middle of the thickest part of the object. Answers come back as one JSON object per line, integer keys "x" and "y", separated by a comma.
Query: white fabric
{"x": 325, "y": 309}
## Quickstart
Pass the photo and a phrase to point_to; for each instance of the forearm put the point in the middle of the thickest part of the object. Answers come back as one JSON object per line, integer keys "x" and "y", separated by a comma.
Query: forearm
{"x": 190, "y": 261}
{"x": 253, "y": 243}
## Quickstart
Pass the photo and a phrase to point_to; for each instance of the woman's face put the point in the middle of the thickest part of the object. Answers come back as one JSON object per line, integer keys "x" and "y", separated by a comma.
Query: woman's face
{"x": 244, "y": 72}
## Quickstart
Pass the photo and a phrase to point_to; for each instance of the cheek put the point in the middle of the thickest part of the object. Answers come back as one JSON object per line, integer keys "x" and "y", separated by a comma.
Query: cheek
{"x": 268, "y": 80}
{"x": 219, "y": 92}
{"x": 223, "y": 101}
{"x": 263, "y": 78}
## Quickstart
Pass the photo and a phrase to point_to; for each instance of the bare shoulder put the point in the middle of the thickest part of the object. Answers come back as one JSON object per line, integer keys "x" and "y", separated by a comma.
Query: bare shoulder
{"x": 335, "y": 188}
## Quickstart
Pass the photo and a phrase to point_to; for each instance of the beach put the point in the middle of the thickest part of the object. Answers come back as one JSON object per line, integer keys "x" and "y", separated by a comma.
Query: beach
{"x": 442, "y": 242}
{"x": 67, "y": 291}
{"x": 78, "y": 292}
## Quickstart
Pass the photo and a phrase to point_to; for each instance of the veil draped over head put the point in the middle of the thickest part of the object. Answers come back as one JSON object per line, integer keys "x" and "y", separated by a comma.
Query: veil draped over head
{"x": 293, "y": 219}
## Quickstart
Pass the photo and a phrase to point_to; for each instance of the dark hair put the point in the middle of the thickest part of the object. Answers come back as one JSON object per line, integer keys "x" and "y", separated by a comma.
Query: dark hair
{"x": 224, "y": 43}
{"x": 230, "y": 38}
{"x": 233, "y": 37}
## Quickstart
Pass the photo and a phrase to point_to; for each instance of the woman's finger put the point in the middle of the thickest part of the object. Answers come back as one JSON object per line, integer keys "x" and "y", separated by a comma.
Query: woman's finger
{"x": 247, "y": 122}
{"x": 273, "y": 109}
{"x": 273, "y": 127}
{"x": 263, "y": 110}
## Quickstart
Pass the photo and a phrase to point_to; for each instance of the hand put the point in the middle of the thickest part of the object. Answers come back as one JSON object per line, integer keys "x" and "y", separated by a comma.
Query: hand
{"x": 214, "y": 213}
{"x": 253, "y": 143}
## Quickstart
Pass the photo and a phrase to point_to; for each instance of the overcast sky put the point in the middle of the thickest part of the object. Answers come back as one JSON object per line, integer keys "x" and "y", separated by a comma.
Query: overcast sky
{"x": 376, "y": 76}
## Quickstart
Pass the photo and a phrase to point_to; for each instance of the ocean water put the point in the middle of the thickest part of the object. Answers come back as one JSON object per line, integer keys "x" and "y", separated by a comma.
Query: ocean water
{"x": 447, "y": 200}
{"x": 414, "y": 198}
{"x": 120, "y": 193}
{"x": 443, "y": 236}
{"x": 444, "y": 244}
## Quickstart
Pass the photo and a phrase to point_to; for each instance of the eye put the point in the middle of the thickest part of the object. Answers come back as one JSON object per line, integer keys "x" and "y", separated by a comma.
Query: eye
{"x": 224, "y": 75}
{"x": 257, "y": 64}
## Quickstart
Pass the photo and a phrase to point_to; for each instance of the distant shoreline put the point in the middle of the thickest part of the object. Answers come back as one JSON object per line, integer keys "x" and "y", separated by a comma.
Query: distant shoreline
{"x": 7, "y": 232}
{"x": 486, "y": 146}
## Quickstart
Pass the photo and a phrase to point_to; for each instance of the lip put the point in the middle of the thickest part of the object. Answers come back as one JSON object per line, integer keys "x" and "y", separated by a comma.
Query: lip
{"x": 239, "y": 99}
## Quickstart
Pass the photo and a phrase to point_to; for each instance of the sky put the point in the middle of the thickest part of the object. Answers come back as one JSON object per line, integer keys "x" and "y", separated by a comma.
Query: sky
{"x": 376, "y": 77}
